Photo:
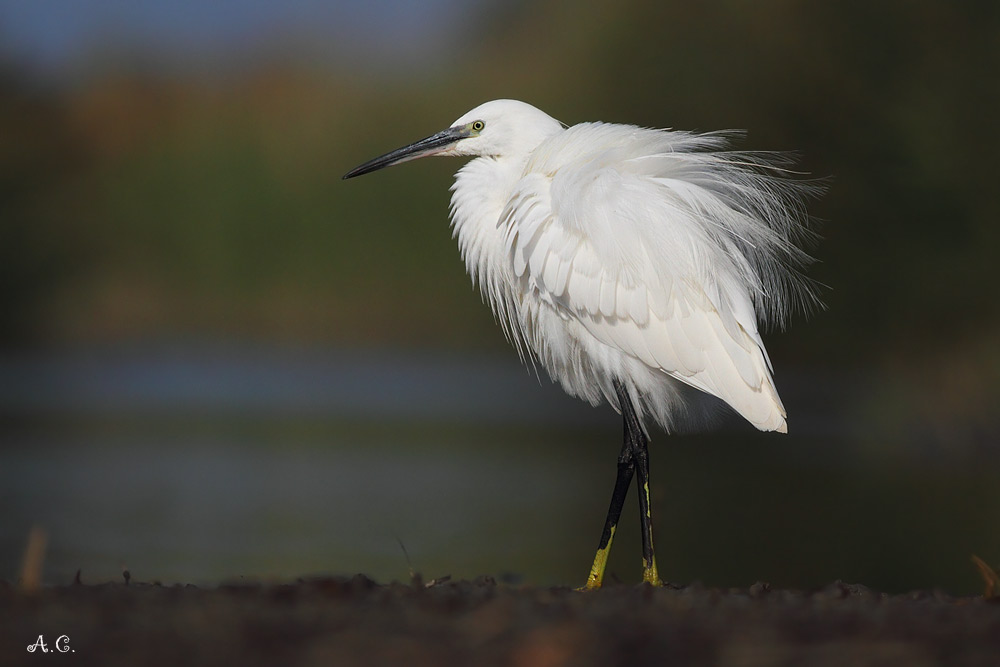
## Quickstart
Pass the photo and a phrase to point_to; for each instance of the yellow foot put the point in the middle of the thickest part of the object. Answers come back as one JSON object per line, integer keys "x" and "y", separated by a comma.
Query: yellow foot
{"x": 650, "y": 575}
{"x": 596, "y": 576}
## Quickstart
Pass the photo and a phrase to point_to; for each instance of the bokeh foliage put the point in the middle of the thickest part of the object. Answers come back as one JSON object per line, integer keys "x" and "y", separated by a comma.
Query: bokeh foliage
{"x": 144, "y": 202}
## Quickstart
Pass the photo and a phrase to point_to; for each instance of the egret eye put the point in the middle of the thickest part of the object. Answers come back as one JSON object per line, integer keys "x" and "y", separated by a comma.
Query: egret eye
{"x": 478, "y": 126}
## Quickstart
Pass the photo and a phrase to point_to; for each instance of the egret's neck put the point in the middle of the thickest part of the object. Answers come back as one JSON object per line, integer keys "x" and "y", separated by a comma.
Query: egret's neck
{"x": 481, "y": 190}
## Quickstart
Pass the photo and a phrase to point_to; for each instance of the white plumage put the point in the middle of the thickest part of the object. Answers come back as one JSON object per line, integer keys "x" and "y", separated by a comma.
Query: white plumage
{"x": 617, "y": 252}
{"x": 627, "y": 262}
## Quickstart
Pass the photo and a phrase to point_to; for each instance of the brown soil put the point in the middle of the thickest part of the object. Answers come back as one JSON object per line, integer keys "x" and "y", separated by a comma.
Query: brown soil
{"x": 348, "y": 621}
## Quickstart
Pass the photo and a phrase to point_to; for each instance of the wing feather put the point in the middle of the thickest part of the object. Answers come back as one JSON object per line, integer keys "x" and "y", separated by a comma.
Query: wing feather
{"x": 642, "y": 241}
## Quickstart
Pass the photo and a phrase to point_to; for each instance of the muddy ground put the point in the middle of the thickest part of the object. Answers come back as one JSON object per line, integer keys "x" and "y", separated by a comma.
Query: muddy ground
{"x": 348, "y": 621}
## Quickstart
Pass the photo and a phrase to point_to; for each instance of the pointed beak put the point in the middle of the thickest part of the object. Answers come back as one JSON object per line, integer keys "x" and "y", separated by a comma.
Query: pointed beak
{"x": 432, "y": 145}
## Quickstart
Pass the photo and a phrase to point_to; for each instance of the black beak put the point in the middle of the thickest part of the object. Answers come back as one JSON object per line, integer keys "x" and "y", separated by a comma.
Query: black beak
{"x": 431, "y": 145}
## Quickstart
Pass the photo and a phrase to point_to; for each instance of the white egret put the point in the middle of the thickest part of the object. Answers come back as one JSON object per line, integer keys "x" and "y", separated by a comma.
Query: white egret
{"x": 627, "y": 262}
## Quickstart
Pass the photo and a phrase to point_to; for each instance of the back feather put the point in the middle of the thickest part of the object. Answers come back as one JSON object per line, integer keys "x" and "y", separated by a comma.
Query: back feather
{"x": 669, "y": 247}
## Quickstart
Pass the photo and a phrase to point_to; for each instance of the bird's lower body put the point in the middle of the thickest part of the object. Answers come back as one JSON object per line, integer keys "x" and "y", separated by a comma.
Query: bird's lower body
{"x": 634, "y": 458}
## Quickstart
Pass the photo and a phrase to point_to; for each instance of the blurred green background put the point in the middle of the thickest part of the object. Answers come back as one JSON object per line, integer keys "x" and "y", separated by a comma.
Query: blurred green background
{"x": 184, "y": 278}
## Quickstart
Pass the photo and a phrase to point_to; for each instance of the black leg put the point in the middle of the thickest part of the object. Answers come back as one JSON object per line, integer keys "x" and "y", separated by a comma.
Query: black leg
{"x": 626, "y": 469}
{"x": 636, "y": 439}
{"x": 634, "y": 456}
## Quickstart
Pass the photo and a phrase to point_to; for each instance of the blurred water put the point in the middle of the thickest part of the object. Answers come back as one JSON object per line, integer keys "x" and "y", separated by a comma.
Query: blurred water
{"x": 202, "y": 464}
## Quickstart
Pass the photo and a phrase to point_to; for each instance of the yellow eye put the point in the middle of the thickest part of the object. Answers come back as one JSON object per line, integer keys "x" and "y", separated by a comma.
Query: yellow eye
{"x": 478, "y": 126}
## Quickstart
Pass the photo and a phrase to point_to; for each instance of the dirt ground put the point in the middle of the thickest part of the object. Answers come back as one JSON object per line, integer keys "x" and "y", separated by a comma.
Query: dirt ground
{"x": 355, "y": 621}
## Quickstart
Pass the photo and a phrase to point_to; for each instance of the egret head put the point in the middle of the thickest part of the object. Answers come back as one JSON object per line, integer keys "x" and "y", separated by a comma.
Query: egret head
{"x": 500, "y": 128}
